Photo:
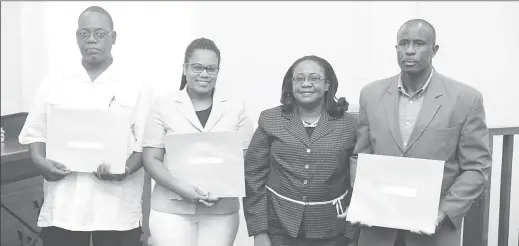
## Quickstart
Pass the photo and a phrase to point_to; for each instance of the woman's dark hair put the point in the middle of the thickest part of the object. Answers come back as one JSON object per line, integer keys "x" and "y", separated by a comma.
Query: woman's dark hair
{"x": 198, "y": 44}
{"x": 334, "y": 107}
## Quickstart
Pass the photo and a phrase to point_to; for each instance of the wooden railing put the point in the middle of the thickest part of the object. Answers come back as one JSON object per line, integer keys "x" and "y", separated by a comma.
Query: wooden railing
{"x": 476, "y": 225}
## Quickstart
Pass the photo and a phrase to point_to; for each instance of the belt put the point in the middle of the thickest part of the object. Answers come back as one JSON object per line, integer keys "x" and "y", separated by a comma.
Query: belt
{"x": 336, "y": 201}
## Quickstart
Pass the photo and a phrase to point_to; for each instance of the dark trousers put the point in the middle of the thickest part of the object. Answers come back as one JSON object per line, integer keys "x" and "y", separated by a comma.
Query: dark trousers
{"x": 281, "y": 239}
{"x": 55, "y": 236}
{"x": 399, "y": 241}
{"x": 400, "y": 238}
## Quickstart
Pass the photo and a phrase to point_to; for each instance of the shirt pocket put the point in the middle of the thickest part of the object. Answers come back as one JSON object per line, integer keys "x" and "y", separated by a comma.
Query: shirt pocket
{"x": 123, "y": 101}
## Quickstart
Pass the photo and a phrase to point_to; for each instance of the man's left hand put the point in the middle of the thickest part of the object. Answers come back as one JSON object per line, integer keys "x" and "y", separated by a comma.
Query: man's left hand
{"x": 439, "y": 220}
{"x": 103, "y": 173}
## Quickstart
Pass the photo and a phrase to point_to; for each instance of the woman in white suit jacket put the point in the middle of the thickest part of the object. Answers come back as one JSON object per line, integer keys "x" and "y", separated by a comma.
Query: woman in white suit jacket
{"x": 181, "y": 214}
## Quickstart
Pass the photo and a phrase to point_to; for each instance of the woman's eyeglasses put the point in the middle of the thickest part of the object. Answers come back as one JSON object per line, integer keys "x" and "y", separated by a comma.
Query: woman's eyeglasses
{"x": 312, "y": 78}
{"x": 198, "y": 68}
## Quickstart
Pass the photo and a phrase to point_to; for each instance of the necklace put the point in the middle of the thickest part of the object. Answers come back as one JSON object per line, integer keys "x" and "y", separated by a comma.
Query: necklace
{"x": 306, "y": 124}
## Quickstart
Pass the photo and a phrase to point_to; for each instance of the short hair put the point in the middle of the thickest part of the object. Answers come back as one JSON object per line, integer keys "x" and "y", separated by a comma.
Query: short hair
{"x": 198, "y": 44}
{"x": 426, "y": 23}
{"x": 335, "y": 107}
{"x": 100, "y": 10}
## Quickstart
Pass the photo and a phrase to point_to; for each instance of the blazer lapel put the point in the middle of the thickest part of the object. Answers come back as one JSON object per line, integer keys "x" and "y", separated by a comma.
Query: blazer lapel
{"x": 430, "y": 106}
{"x": 185, "y": 107}
{"x": 219, "y": 103}
{"x": 392, "y": 112}
{"x": 324, "y": 126}
{"x": 295, "y": 126}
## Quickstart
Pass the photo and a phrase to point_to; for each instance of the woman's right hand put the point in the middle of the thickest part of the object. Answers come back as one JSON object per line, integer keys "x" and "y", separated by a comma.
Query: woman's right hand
{"x": 262, "y": 239}
{"x": 191, "y": 193}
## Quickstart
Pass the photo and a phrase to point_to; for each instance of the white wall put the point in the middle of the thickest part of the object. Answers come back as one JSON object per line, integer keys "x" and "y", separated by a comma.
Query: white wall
{"x": 478, "y": 46}
{"x": 259, "y": 41}
{"x": 12, "y": 97}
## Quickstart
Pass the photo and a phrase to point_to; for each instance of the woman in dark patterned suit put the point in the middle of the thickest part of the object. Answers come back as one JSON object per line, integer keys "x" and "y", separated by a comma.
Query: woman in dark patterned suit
{"x": 297, "y": 164}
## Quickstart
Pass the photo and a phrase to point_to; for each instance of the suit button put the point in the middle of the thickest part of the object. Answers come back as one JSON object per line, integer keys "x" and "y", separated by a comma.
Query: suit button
{"x": 307, "y": 166}
{"x": 305, "y": 181}
{"x": 308, "y": 150}
{"x": 304, "y": 198}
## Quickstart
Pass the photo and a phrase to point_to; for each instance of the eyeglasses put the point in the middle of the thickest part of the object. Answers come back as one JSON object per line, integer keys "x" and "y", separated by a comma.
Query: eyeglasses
{"x": 198, "y": 68}
{"x": 99, "y": 34}
{"x": 312, "y": 78}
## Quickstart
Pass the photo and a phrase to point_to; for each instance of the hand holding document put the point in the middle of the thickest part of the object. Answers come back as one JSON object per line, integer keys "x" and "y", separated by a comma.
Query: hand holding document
{"x": 396, "y": 192}
{"x": 210, "y": 161}
{"x": 51, "y": 170}
{"x": 82, "y": 139}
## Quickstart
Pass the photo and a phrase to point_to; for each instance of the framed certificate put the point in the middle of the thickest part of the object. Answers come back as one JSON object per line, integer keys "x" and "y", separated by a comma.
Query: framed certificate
{"x": 396, "y": 192}
{"x": 211, "y": 161}
{"x": 82, "y": 139}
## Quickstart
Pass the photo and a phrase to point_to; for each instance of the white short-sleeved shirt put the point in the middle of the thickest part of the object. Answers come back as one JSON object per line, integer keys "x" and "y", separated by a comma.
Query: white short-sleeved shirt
{"x": 80, "y": 201}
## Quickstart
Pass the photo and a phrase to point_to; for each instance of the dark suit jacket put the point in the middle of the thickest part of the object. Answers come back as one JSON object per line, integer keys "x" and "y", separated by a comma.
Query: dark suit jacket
{"x": 282, "y": 156}
{"x": 450, "y": 127}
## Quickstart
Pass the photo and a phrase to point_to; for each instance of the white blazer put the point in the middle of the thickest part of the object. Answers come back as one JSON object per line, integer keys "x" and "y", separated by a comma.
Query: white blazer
{"x": 173, "y": 113}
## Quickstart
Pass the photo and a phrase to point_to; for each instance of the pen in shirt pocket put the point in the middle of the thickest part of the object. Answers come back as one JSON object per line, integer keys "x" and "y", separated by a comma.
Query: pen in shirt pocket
{"x": 111, "y": 101}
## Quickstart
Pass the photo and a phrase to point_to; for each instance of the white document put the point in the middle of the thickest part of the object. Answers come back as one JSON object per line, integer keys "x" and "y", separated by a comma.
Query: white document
{"x": 211, "y": 161}
{"x": 82, "y": 139}
{"x": 396, "y": 192}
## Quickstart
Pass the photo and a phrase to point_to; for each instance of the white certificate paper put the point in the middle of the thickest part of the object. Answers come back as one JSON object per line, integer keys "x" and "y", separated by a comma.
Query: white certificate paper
{"x": 396, "y": 192}
{"x": 82, "y": 139}
{"x": 211, "y": 161}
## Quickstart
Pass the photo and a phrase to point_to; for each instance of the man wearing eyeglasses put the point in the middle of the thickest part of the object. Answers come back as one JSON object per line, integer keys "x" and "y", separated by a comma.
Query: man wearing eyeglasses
{"x": 79, "y": 206}
{"x": 95, "y": 42}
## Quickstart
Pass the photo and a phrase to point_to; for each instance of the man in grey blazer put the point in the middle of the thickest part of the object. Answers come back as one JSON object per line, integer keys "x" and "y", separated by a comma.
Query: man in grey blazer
{"x": 421, "y": 113}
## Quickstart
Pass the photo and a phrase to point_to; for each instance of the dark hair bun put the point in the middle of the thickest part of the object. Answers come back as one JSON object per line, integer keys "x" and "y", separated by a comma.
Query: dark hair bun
{"x": 341, "y": 102}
